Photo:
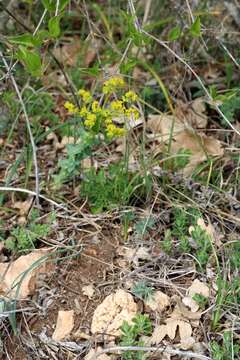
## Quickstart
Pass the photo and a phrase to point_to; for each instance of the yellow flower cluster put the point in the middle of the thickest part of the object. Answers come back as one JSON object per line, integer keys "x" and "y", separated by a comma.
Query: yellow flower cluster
{"x": 113, "y": 84}
{"x": 99, "y": 116}
{"x": 112, "y": 131}
{"x": 130, "y": 96}
{"x": 71, "y": 108}
{"x": 85, "y": 95}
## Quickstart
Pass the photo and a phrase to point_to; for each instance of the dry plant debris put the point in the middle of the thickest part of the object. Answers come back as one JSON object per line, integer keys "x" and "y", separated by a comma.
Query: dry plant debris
{"x": 64, "y": 326}
{"x": 197, "y": 287}
{"x": 88, "y": 290}
{"x": 183, "y": 136}
{"x": 23, "y": 272}
{"x": 110, "y": 314}
{"x": 158, "y": 301}
{"x": 93, "y": 352}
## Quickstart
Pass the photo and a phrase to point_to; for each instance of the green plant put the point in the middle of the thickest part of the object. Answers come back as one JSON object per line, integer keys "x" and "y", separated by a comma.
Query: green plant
{"x": 201, "y": 300}
{"x": 110, "y": 188}
{"x": 184, "y": 244}
{"x": 144, "y": 225}
{"x": 70, "y": 166}
{"x": 181, "y": 159}
{"x": 227, "y": 350}
{"x": 127, "y": 218}
{"x": 203, "y": 243}
{"x": 142, "y": 290}
{"x": 25, "y": 238}
{"x": 167, "y": 243}
{"x": 131, "y": 333}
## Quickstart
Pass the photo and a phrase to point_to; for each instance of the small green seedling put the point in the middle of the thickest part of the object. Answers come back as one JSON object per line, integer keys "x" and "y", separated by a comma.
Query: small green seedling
{"x": 131, "y": 333}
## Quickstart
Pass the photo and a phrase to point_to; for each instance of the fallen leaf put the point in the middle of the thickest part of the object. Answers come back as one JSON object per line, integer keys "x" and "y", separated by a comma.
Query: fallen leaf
{"x": 169, "y": 329}
{"x": 88, "y": 290}
{"x": 110, "y": 314}
{"x": 93, "y": 352}
{"x": 210, "y": 231}
{"x": 134, "y": 255}
{"x": 184, "y": 137}
{"x": 192, "y": 114}
{"x": 64, "y": 326}
{"x": 158, "y": 301}
{"x": 23, "y": 206}
{"x": 23, "y": 272}
{"x": 68, "y": 53}
{"x": 197, "y": 287}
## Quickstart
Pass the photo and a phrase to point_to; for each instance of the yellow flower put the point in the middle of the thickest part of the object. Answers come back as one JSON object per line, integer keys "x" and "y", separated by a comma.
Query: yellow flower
{"x": 96, "y": 108}
{"x": 117, "y": 105}
{"x": 132, "y": 113}
{"x": 108, "y": 121}
{"x": 83, "y": 111}
{"x": 71, "y": 108}
{"x": 105, "y": 113}
{"x": 130, "y": 96}
{"x": 113, "y": 84}
{"x": 113, "y": 130}
{"x": 90, "y": 120}
{"x": 85, "y": 95}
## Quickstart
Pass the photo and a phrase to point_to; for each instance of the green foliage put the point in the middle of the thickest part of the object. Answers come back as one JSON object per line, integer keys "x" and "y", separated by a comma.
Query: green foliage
{"x": 144, "y": 225}
{"x": 70, "y": 166}
{"x": 107, "y": 189}
{"x": 174, "y": 33}
{"x": 50, "y": 5}
{"x": 31, "y": 59}
{"x": 167, "y": 243}
{"x": 195, "y": 29}
{"x": 230, "y": 107}
{"x": 142, "y": 290}
{"x": 131, "y": 334}
{"x": 25, "y": 238}
{"x": 226, "y": 350}
{"x": 184, "y": 244}
{"x": 126, "y": 219}
{"x": 54, "y": 26}
{"x": 204, "y": 245}
{"x": 181, "y": 159}
{"x": 201, "y": 300}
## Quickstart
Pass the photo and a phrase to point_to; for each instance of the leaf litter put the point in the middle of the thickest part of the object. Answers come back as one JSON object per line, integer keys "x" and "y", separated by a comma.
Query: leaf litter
{"x": 181, "y": 126}
{"x": 18, "y": 278}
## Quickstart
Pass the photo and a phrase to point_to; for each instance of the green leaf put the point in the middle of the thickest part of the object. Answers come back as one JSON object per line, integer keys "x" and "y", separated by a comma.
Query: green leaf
{"x": 54, "y": 26}
{"x": 174, "y": 33}
{"x": 31, "y": 60}
{"x": 50, "y": 5}
{"x": 63, "y": 4}
{"x": 195, "y": 28}
{"x": 25, "y": 39}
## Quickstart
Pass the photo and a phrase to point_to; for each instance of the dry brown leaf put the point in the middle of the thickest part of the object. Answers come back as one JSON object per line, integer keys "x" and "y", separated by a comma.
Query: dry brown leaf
{"x": 64, "y": 326}
{"x": 92, "y": 353}
{"x": 23, "y": 206}
{"x": 110, "y": 314}
{"x": 210, "y": 231}
{"x": 134, "y": 255}
{"x": 67, "y": 54}
{"x": 170, "y": 329}
{"x": 19, "y": 270}
{"x": 88, "y": 290}
{"x": 192, "y": 114}
{"x": 187, "y": 343}
{"x": 197, "y": 287}
{"x": 185, "y": 137}
{"x": 158, "y": 301}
